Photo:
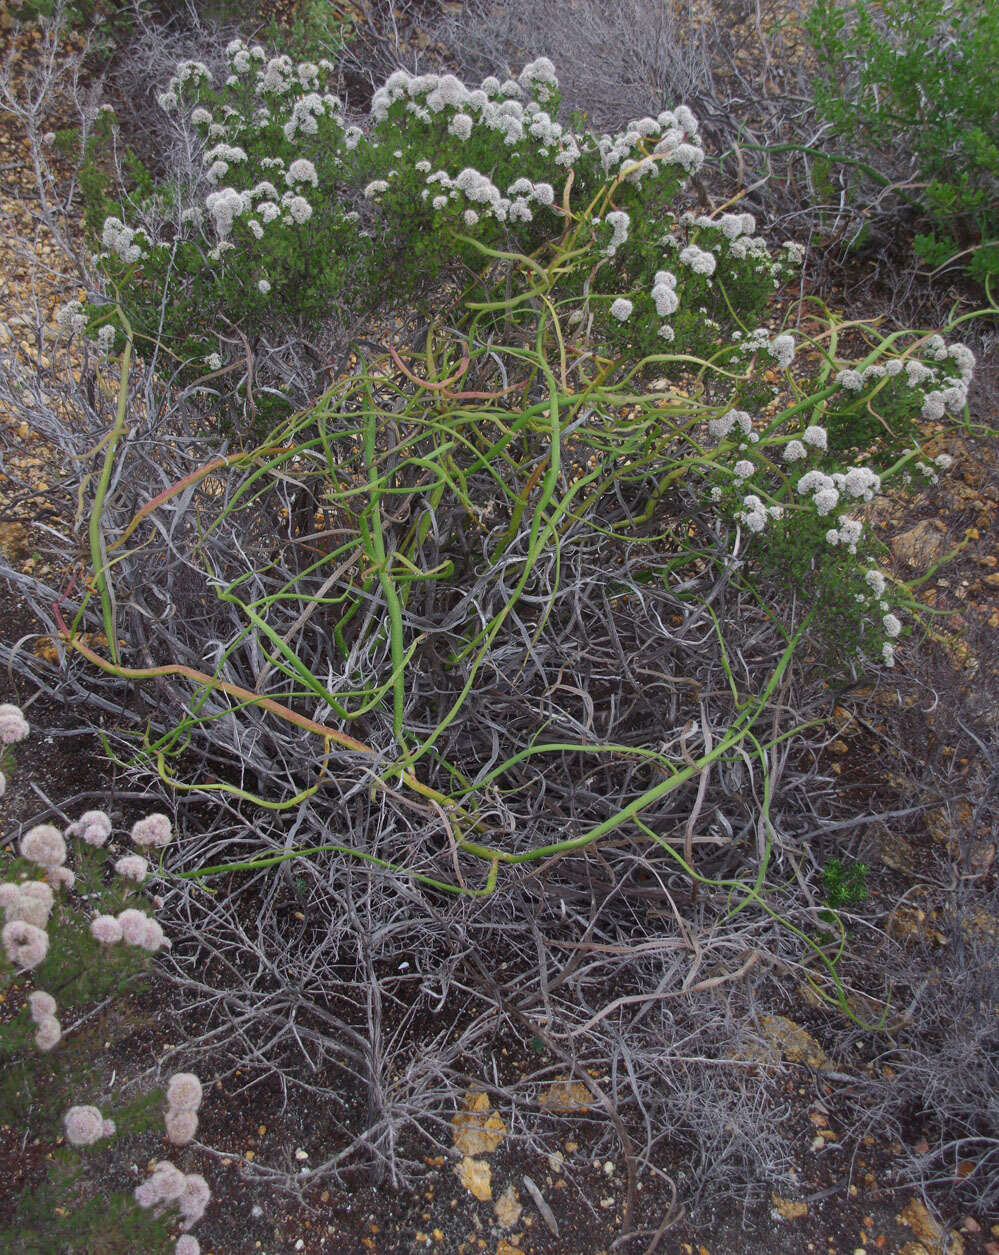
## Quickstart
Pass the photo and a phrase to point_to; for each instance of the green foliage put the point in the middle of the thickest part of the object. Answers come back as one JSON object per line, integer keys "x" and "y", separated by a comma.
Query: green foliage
{"x": 38, "y": 1086}
{"x": 54, "y": 1218}
{"x": 318, "y": 28}
{"x": 919, "y": 75}
{"x": 845, "y": 884}
{"x": 384, "y": 221}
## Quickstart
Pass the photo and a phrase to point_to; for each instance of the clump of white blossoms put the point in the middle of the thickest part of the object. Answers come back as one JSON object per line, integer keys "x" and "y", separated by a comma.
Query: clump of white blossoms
{"x": 168, "y": 1186}
{"x": 93, "y": 827}
{"x": 621, "y": 309}
{"x": 48, "y": 1030}
{"x": 132, "y": 867}
{"x": 85, "y": 1126}
{"x": 24, "y": 944}
{"x": 13, "y": 725}
{"x": 184, "y": 1096}
{"x": 699, "y": 261}
{"x": 154, "y": 830}
{"x": 45, "y": 846}
{"x": 71, "y": 318}
{"x": 139, "y": 929}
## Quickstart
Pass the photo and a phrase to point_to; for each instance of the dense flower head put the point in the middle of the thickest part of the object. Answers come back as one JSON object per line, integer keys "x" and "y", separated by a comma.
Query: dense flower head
{"x": 132, "y": 867}
{"x": 13, "y": 725}
{"x": 24, "y": 944}
{"x": 71, "y": 318}
{"x": 106, "y": 929}
{"x": 619, "y": 223}
{"x": 48, "y": 1034}
{"x": 861, "y": 481}
{"x": 720, "y": 427}
{"x": 187, "y": 1244}
{"x": 699, "y": 261}
{"x": 816, "y": 437}
{"x": 782, "y": 349}
{"x": 134, "y": 924}
{"x": 664, "y": 293}
{"x": 93, "y": 827}
{"x": 44, "y": 845}
{"x": 794, "y": 451}
{"x": 85, "y": 1125}
{"x": 29, "y": 900}
{"x": 225, "y": 206}
{"x": 621, "y": 309}
{"x": 180, "y": 1126}
{"x": 194, "y": 1198}
{"x": 851, "y": 380}
{"x": 119, "y": 239}
{"x": 184, "y": 1092}
{"x": 41, "y": 1005}
{"x": 301, "y": 171}
{"x": 154, "y": 830}
{"x": 164, "y": 1185}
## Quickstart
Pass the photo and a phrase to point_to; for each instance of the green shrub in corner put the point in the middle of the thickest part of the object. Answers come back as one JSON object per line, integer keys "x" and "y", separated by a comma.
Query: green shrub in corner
{"x": 919, "y": 76}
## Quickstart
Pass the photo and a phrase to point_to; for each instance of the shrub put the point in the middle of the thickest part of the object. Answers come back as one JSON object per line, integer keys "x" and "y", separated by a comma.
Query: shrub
{"x": 916, "y": 79}
{"x": 503, "y": 637}
{"x": 59, "y": 933}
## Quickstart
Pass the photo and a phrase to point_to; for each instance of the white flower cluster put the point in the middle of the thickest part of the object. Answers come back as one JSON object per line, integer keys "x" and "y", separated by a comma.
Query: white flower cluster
{"x": 131, "y": 926}
{"x": 26, "y": 908}
{"x": 858, "y": 482}
{"x": 48, "y": 1030}
{"x": 781, "y": 348}
{"x": 13, "y": 725}
{"x": 619, "y": 223}
{"x": 193, "y": 72}
{"x": 225, "y": 206}
{"x": 720, "y": 427}
{"x": 71, "y": 319}
{"x": 306, "y": 112}
{"x": 538, "y": 77}
{"x": 755, "y": 514}
{"x": 85, "y": 1126}
{"x": 183, "y": 1102}
{"x": 664, "y": 293}
{"x": 847, "y": 534}
{"x": 794, "y": 451}
{"x": 699, "y": 261}
{"x": 301, "y": 171}
{"x": 119, "y": 239}
{"x": 93, "y": 827}
{"x": 621, "y": 309}
{"x": 219, "y": 158}
{"x": 45, "y": 846}
{"x": 167, "y": 1186}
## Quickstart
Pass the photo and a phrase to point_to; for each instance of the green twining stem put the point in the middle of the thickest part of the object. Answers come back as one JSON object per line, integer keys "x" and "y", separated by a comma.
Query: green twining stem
{"x": 374, "y": 541}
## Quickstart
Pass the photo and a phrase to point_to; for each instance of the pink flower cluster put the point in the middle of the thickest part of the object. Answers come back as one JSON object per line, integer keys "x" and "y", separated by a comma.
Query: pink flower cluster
{"x": 167, "y": 1185}
{"x": 154, "y": 830}
{"x": 85, "y": 1126}
{"x": 183, "y": 1100}
{"x": 42, "y": 1007}
{"x": 133, "y": 927}
{"x": 24, "y": 944}
{"x": 94, "y": 827}
{"x": 30, "y": 901}
{"x": 44, "y": 845}
{"x": 13, "y": 725}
